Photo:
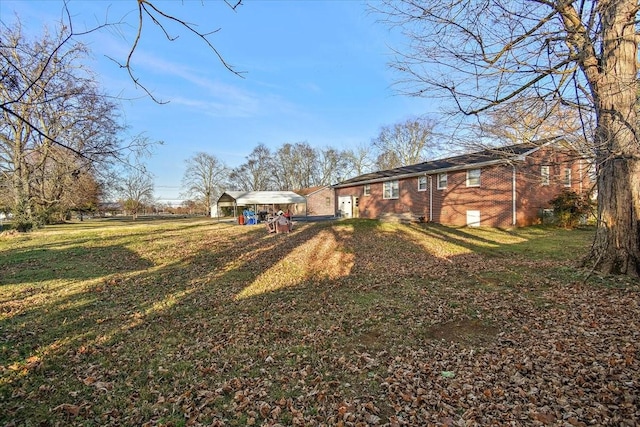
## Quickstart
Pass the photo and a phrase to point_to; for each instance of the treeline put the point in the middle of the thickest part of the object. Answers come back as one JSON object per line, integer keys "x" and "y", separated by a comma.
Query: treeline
{"x": 292, "y": 166}
{"x": 300, "y": 165}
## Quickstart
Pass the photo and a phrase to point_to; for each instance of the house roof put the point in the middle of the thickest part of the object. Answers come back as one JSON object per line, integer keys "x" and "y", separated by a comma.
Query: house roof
{"x": 311, "y": 190}
{"x": 465, "y": 161}
{"x": 247, "y": 198}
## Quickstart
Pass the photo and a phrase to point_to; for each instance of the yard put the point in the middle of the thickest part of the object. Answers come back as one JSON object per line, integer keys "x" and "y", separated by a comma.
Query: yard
{"x": 354, "y": 323}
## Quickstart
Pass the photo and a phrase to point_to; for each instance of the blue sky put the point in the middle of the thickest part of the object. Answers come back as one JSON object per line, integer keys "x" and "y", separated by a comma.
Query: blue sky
{"x": 314, "y": 71}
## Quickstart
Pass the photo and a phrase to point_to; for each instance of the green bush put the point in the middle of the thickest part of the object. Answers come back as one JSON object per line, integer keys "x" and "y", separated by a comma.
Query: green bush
{"x": 570, "y": 208}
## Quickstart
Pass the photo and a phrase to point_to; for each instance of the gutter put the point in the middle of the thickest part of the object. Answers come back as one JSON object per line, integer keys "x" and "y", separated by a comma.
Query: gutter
{"x": 431, "y": 198}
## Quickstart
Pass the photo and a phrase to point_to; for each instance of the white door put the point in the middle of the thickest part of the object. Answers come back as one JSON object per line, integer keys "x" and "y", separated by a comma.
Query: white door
{"x": 473, "y": 218}
{"x": 344, "y": 206}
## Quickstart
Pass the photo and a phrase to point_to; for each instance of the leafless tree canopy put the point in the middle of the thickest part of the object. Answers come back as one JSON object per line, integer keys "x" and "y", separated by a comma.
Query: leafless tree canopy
{"x": 257, "y": 173}
{"x": 293, "y": 166}
{"x": 56, "y": 123}
{"x": 405, "y": 143}
{"x": 204, "y": 178}
{"x": 136, "y": 190}
{"x": 484, "y": 53}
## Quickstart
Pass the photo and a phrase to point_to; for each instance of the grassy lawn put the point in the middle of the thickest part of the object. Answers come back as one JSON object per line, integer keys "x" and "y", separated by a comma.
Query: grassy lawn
{"x": 197, "y": 322}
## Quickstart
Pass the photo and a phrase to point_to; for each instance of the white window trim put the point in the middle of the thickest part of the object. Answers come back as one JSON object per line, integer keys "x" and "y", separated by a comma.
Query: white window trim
{"x": 424, "y": 178}
{"x": 366, "y": 190}
{"x": 567, "y": 177}
{"x": 479, "y": 177}
{"x": 389, "y": 183}
{"x": 446, "y": 181}
{"x": 545, "y": 175}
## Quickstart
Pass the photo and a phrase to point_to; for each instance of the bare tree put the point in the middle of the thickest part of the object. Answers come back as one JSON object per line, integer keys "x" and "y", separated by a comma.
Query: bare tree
{"x": 295, "y": 166}
{"x": 204, "y": 178}
{"x": 532, "y": 120}
{"x": 481, "y": 54}
{"x": 257, "y": 173}
{"x": 48, "y": 97}
{"x": 291, "y": 167}
{"x": 358, "y": 160}
{"x": 331, "y": 166}
{"x": 135, "y": 190}
{"x": 58, "y": 185}
{"x": 405, "y": 143}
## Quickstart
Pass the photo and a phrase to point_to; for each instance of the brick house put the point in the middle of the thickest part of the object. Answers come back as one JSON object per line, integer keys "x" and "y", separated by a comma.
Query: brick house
{"x": 498, "y": 187}
{"x": 320, "y": 200}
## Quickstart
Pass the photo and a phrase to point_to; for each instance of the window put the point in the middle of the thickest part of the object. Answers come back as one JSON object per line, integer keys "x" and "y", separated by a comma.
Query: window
{"x": 327, "y": 201}
{"x": 442, "y": 181}
{"x": 390, "y": 190}
{"x": 473, "y": 178}
{"x": 544, "y": 175}
{"x": 366, "y": 190}
{"x": 567, "y": 177}
{"x": 422, "y": 183}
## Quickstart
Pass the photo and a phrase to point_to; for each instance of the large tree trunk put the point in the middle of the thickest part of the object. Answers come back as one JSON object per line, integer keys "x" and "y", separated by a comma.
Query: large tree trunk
{"x": 613, "y": 80}
{"x": 616, "y": 248}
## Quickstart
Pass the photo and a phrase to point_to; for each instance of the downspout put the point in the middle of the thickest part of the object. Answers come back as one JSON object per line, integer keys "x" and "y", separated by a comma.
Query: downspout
{"x": 513, "y": 197}
{"x": 430, "y": 198}
{"x": 580, "y": 166}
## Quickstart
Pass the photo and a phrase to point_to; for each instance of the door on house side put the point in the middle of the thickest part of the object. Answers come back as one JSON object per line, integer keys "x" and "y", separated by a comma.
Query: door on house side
{"x": 473, "y": 218}
{"x": 345, "y": 206}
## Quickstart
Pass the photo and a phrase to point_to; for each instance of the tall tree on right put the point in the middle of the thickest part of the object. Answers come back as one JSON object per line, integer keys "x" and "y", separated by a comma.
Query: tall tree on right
{"x": 482, "y": 54}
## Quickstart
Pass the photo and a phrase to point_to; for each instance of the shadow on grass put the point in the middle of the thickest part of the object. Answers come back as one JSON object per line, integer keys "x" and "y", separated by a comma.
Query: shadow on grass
{"x": 146, "y": 329}
{"x": 77, "y": 262}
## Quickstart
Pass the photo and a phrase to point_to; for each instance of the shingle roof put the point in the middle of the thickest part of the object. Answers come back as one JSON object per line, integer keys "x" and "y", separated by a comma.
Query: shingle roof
{"x": 310, "y": 190}
{"x": 464, "y": 161}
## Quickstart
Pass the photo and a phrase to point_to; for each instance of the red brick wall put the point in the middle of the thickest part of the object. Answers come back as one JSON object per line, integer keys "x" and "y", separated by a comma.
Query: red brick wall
{"x": 321, "y": 202}
{"x": 410, "y": 200}
{"x": 533, "y": 196}
{"x": 493, "y": 198}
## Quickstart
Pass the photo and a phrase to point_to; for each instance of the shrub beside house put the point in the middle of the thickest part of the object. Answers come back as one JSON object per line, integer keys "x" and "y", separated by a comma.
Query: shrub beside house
{"x": 498, "y": 187}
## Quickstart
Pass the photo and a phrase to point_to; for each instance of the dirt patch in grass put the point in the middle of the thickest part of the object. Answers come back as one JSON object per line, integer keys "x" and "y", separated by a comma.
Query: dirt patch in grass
{"x": 463, "y": 331}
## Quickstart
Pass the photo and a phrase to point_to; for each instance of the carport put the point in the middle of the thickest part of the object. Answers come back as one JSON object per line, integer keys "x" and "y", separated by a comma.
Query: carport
{"x": 256, "y": 199}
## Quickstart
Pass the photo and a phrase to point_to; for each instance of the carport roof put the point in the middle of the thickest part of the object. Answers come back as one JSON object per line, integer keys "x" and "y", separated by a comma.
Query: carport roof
{"x": 247, "y": 198}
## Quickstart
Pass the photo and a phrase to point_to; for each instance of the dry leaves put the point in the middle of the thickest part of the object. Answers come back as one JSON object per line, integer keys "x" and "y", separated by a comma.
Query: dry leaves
{"x": 391, "y": 334}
